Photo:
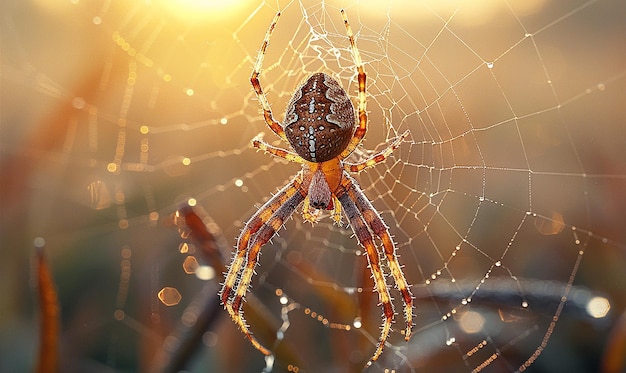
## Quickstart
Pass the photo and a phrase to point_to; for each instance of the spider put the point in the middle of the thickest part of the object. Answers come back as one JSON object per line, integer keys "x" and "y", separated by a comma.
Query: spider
{"x": 319, "y": 126}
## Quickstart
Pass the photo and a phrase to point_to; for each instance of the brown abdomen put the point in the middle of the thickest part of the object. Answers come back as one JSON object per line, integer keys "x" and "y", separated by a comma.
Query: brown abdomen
{"x": 319, "y": 120}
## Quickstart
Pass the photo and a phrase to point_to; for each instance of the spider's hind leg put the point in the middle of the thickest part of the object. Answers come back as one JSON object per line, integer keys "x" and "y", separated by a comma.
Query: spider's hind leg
{"x": 256, "y": 84}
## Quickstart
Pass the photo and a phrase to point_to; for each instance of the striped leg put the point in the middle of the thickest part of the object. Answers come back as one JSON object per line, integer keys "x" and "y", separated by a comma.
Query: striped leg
{"x": 258, "y": 143}
{"x": 365, "y": 238}
{"x": 256, "y": 84}
{"x": 360, "y": 131}
{"x": 380, "y": 229}
{"x": 378, "y": 157}
{"x": 257, "y": 228}
{"x": 265, "y": 233}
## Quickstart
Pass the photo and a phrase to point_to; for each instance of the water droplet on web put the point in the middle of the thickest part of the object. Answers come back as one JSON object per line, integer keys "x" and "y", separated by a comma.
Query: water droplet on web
{"x": 524, "y": 304}
{"x": 498, "y": 263}
{"x": 490, "y": 65}
{"x": 450, "y": 341}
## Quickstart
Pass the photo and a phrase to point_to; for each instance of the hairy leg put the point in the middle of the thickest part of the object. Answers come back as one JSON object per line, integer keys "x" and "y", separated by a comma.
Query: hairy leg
{"x": 365, "y": 238}
{"x": 380, "y": 229}
{"x": 256, "y": 84}
{"x": 255, "y": 228}
{"x": 360, "y": 131}
{"x": 258, "y": 143}
{"x": 378, "y": 157}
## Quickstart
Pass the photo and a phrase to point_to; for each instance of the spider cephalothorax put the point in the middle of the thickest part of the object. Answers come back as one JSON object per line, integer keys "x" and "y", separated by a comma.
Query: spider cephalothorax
{"x": 321, "y": 128}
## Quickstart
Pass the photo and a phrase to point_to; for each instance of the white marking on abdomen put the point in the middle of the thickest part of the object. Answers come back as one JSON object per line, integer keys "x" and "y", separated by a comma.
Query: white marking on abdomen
{"x": 312, "y": 145}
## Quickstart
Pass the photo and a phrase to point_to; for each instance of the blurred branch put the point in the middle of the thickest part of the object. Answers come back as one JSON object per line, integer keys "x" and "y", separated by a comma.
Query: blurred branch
{"x": 47, "y": 361}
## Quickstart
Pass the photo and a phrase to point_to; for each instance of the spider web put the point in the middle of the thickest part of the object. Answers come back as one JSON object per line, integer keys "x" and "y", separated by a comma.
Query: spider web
{"x": 506, "y": 201}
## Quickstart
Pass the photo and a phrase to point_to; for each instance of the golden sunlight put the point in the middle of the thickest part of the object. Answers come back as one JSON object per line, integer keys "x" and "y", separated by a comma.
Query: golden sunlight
{"x": 205, "y": 9}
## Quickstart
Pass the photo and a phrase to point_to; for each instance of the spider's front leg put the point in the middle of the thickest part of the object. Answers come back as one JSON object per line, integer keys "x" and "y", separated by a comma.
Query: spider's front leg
{"x": 380, "y": 229}
{"x": 365, "y": 238}
{"x": 257, "y": 232}
{"x": 364, "y": 221}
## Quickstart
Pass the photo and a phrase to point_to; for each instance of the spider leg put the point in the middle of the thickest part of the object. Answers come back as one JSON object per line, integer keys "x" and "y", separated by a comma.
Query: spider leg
{"x": 254, "y": 80}
{"x": 380, "y": 229}
{"x": 258, "y": 227}
{"x": 360, "y": 131}
{"x": 365, "y": 238}
{"x": 264, "y": 234}
{"x": 258, "y": 143}
{"x": 378, "y": 157}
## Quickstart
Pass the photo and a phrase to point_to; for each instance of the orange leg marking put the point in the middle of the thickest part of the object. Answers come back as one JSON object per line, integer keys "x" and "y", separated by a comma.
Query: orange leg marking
{"x": 378, "y": 157}
{"x": 365, "y": 238}
{"x": 256, "y": 84}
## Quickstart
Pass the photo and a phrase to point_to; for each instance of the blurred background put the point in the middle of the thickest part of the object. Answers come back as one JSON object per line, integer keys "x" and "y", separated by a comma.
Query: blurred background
{"x": 506, "y": 202}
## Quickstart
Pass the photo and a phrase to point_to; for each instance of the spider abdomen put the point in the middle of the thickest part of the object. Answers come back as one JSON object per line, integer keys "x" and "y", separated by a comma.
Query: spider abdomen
{"x": 319, "y": 120}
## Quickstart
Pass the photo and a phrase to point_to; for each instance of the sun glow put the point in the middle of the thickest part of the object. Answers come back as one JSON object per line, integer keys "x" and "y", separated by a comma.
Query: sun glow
{"x": 201, "y": 8}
